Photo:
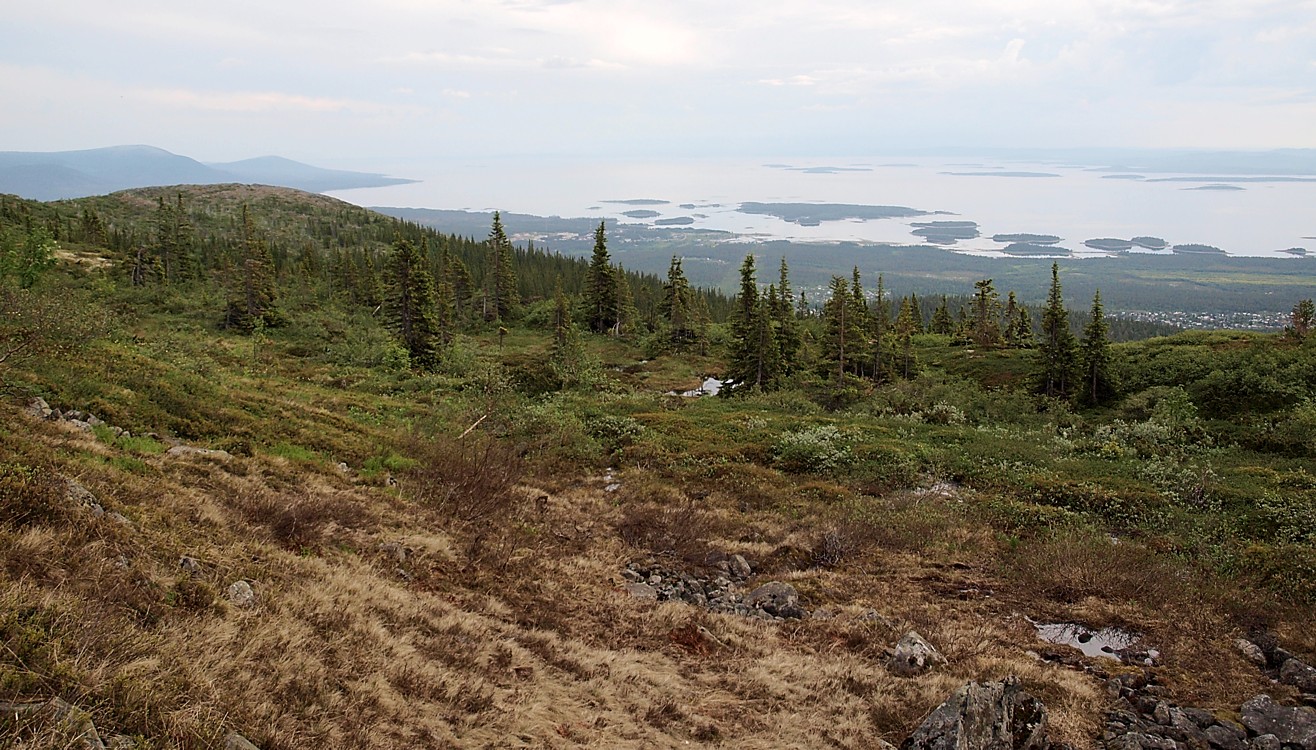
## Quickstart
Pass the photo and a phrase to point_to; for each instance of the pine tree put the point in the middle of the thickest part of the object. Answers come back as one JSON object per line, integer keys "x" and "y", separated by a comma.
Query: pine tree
{"x": 783, "y": 312}
{"x": 942, "y": 322}
{"x": 252, "y": 297}
{"x": 1301, "y": 320}
{"x": 412, "y": 305}
{"x": 906, "y": 326}
{"x": 1095, "y": 356}
{"x": 1057, "y": 357}
{"x": 678, "y": 309}
{"x": 501, "y": 282}
{"x": 600, "y": 286}
{"x": 754, "y": 352}
{"x": 984, "y": 320}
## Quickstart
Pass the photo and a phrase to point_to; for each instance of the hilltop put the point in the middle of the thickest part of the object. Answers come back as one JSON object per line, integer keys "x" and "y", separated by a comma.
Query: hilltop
{"x": 290, "y": 532}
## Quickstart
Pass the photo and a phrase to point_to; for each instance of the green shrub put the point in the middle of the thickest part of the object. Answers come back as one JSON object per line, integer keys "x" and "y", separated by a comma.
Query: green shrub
{"x": 821, "y": 449}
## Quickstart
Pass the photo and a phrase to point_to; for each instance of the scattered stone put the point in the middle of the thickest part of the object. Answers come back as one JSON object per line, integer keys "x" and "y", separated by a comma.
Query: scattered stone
{"x": 1299, "y": 674}
{"x": 74, "y": 492}
{"x": 235, "y": 741}
{"x": 118, "y": 518}
{"x": 1267, "y": 742}
{"x": 191, "y": 450}
{"x": 343, "y": 467}
{"x": 189, "y": 565}
{"x": 1292, "y": 726}
{"x": 241, "y": 594}
{"x": 984, "y": 716}
{"x": 122, "y": 563}
{"x": 72, "y": 721}
{"x": 913, "y": 656}
{"x": 642, "y": 591}
{"x": 777, "y": 599}
{"x": 396, "y": 550}
{"x": 78, "y": 423}
{"x": 738, "y": 566}
{"x": 1225, "y": 738}
{"x": 38, "y": 408}
{"x": 1251, "y": 651}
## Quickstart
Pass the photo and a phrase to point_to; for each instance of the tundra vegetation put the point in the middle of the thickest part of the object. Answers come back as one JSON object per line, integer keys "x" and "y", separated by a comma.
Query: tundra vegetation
{"x": 324, "y": 477}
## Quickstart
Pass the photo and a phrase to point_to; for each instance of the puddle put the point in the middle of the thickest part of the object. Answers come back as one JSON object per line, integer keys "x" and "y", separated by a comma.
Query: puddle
{"x": 1107, "y": 642}
{"x": 710, "y": 387}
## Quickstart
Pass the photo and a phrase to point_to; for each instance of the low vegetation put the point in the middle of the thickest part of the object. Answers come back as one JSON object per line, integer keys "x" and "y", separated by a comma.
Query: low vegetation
{"x": 436, "y": 543}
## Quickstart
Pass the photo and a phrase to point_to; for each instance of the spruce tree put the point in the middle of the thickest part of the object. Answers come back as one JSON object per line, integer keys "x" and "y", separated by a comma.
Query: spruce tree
{"x": 678, "y": 309}
{"x": 942, "y": 322}
{"x": 1095, "y": 356}
{"x": 841, "y": 330}
{"x": 252, "y": 297}
{"x": 1301, "y": 320}
{"x": 600, "y": 286}
{"x": 412, "y": 305}
{"x": 788, "y": 329}
{"x": 984, "y": 321}
{"x": 501, "y": 282}
{"x": 1057, "y": 356}
{"x": 1023, "y": 329}
{"x": 879, "y": 330}
{"x": 905, "y": 328}
{"x": 753, "y": 347}
{"x": 628, "y": 316}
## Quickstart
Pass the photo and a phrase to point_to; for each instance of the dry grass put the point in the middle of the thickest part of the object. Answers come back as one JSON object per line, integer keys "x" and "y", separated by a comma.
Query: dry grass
{"x": 494, "y": 620}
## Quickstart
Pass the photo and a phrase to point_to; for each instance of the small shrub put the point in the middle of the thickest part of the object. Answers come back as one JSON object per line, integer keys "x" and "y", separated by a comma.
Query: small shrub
{"x": 470, "y": 479}
{"x": 29, "y": 496}
{"x": 677, "y": 530}
{"x": 821, "y": 449}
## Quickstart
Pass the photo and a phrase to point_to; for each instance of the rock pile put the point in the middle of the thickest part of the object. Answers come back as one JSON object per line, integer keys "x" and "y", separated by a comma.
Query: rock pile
{"x": 1263, "y": 649}
{"x": 724, "y": 589}
{"x": 984, "y": 716}
{"x": 76, "y": 493}
{"x": 1143, "y": 720}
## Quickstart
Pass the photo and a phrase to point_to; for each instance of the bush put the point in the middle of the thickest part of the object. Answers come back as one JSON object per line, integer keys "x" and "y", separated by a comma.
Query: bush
{"x": 470, "y": 479}
{"x": 821, "y": 449}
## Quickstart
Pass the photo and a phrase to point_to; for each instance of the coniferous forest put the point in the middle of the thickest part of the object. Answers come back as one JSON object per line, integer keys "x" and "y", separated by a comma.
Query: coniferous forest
{"x": 278, "y": 465}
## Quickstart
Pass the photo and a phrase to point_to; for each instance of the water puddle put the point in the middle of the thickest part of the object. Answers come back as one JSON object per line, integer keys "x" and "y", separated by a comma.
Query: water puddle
{"x": 710, "y": 387}
{"x": 1109, "y": 643}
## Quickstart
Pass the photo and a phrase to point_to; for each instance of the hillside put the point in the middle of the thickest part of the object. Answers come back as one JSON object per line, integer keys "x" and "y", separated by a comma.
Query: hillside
{"x": 57, "y": 175}
{"x": 291, "y": 534}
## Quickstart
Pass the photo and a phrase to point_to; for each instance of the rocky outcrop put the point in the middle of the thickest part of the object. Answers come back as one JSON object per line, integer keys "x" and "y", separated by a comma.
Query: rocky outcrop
{"x": 63, "y": 717}
{"x": 722, "y": 590}
{"x": 984, "y": 716}
{"x": 1291, "y": 725}
{"x": 913, "y": 655}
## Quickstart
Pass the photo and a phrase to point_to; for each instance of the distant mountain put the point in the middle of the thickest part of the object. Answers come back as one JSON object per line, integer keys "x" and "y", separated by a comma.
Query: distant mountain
{"x": 56, "y": 175}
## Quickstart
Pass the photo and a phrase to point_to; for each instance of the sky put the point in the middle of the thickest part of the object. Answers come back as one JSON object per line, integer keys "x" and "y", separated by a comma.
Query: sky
{"x": 342, "y": 83}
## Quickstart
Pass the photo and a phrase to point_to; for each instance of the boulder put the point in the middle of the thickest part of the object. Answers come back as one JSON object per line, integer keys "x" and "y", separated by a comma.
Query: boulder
{"x": 1251, "y": 651}
{"x": 1299, "y": 674}
{"x": 984, "y": 716}
{"x": 913, "y": 655}
{"x": 190, "y": 450}
{"x": 74, "y": 492}
{"x": 235, "y": 741}
{"x": 739, "y": 567}
{"x": 241, "y": 594}
{"x": 1292, "y": 726}
{"x": 641, "y": 591}
{"x": 189, "y": 565}
{"x": 777, "y": 599}
{"x": 1224, "y": 738}
{"x": 38, "y": 408}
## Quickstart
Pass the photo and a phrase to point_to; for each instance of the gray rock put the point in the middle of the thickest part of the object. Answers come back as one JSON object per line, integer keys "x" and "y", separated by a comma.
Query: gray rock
{"x": 189, "y": 565}
{"x": 738, "y": 566}
{"x": 1299, "y": 674}
{"x": 1292, "y": 726}
{"x": 241, "y": 594}
{"x": 74, "y": 722}
{"x": 118, "y": 518}
{"x": 986, "y": 716}
{"x": 1224, "y": 738}
{"x": 913, "y": 656}
{"x": 1267, "y": 742}
{"x": 78, "y": 423}
{"x": 38, "y": 408}
{"x": 235, "y": 741}
{"x": 776, "y": 598}
{"x": 74, "y": 492}
{"x": 179, "y": 451}
{"x": 1140, "y": 741}
{"x": 396, "y": 550}
{"x": 1251, "y": 651}
{"x": 343, "y": 467}
{"x": 642, "y": 591}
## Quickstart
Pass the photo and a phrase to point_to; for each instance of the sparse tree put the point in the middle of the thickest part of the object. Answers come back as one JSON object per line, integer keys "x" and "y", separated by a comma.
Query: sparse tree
{"x": 1302, "y": 319}
{"x": 412, "y": 305}
{"x": 252, "y": 297}
{"x": 601, "y": 309}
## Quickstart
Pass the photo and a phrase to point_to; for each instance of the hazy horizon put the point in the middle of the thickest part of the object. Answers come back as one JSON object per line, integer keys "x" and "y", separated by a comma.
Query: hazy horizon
{"x": 345, "y": 85}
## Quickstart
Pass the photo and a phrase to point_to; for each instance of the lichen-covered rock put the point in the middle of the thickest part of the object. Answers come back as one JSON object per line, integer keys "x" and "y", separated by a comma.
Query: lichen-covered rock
{"x": 777, "y": 599}
{"x": 1291, "y": 725}
{"x": 984, "y": 716}
{"x": 179, "y": 451}
{"x": 241, "y": 594}
{"x": 1299, "y": 674}
{"x": 235, "y": 741}
{"x": 913, "y": 655}
{"x": 38, "y": 408}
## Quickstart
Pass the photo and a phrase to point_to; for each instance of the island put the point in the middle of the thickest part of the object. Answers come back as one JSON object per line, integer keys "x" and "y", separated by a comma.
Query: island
{"x": 811, "y": 214}
{"x": 1032, "y": 248}
{"x": 1036, "y": 239}
{"x": 642, "y": 213}
{"x": 1150, "y": 243}
{"x": 676, "y": 221}
{"x": 640, "y": 202}
{"x": 945, "y": 232}
{"x": 1192, "y": 248}
{"x": 1110, "y": 244}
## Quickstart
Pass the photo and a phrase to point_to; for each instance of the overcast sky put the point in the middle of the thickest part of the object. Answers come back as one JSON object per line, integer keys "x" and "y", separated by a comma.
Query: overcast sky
{"x": 328, "y": 82}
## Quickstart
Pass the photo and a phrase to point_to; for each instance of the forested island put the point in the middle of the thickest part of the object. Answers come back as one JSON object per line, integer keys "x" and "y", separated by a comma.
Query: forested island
{"x": 278, "y": 468}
